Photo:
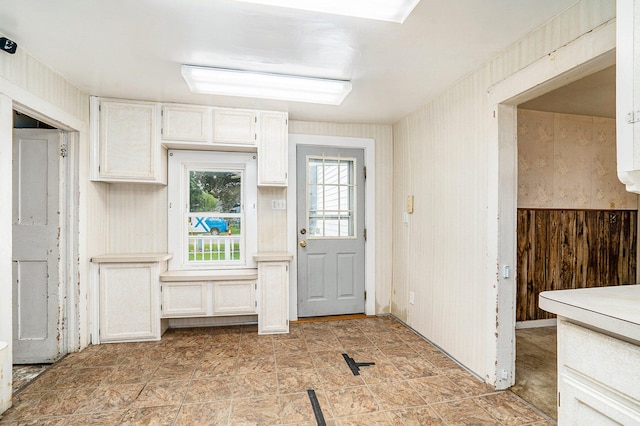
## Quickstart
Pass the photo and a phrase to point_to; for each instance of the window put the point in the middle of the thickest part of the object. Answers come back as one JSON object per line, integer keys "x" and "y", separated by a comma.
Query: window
{"x": 212, "y": 209}
{"x": 331, "y": 194}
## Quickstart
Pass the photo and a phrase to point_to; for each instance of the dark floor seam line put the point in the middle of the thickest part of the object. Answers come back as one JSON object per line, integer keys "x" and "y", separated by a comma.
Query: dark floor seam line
{"x": 315, "y": 404}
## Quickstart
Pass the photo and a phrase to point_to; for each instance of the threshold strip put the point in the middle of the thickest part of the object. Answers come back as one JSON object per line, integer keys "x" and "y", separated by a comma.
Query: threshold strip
{"x": 317, "y": 411}
{"x": 355, "y": 366}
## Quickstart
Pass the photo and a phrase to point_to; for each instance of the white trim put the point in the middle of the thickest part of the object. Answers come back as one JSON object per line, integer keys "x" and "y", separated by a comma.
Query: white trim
{"x": 587, "y": 54}
{"x": 370, "y": 247}
{"x": 551, "y": 322}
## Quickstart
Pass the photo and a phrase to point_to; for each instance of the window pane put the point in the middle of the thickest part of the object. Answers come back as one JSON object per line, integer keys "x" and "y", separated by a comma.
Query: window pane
{"x": 331, "y": 197}
{"x": 214, "y": 239}
{"x": 211, "y": 191}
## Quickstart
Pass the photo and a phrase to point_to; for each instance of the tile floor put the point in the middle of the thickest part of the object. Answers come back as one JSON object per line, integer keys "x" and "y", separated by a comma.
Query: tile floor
{"x": 232, "y": 376}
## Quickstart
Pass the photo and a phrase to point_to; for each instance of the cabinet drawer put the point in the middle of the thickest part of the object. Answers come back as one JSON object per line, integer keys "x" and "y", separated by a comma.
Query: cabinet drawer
{"x": 231, "y": 298}
{"x": 184, "y": 299}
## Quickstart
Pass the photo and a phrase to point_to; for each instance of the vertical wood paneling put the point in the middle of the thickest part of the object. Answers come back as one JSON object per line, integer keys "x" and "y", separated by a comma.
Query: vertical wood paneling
{"x": 383, "y": 137}
{"x": 443, "y": 156}
{"x": 568, "y": 249}
{"x": 35, "y": 77}
{"x": 137, "y": 218}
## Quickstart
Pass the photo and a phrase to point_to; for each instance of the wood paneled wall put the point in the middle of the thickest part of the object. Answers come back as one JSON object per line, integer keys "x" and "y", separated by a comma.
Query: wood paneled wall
{"x": 567, "y": 249}
{"x": 445, "y": 155}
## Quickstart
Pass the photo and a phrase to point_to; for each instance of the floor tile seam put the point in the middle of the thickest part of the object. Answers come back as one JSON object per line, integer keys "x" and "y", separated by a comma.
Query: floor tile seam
{"x": 472, "y": 398}
{"x": 406, "y": 381}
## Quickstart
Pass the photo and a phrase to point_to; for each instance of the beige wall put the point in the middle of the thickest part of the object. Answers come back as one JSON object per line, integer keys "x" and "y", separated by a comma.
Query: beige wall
{"x": 447, "y": 156}
{"x": 383, "y": 137}
{"x": 569, "y": 162}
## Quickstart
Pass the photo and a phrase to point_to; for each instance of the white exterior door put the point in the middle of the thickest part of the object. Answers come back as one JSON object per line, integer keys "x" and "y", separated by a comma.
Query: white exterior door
{"x": 331, "y": 231}
{"x": 36, "y": 246}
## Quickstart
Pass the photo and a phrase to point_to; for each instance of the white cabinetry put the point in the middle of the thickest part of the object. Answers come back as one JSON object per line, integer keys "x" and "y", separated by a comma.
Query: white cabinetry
{"x": 598, "y": 354}
{"x": 128, "y": 296}
{"x": 273, "y": 285}
{"x": 273, "y": 149}
{"x": 234, "y": 126}
{"x": 125, "y": 146}
{"x": 208, "y": 293}
{"x": 184, "y": 299}
{"x": 186, "y": 123}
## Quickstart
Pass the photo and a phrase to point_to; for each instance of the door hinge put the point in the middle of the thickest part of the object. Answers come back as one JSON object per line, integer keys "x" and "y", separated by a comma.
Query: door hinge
{"x": 286, "y": 268}
{"x": 365, "y": 295}
{"x": 365, "y": 234}
{"x": 365, "y": 172}
{"x": 256, "y": 303}
{"x": 63, "y": 150}
{"x": 633, "y": 117}
{"x": 558, "y": 399}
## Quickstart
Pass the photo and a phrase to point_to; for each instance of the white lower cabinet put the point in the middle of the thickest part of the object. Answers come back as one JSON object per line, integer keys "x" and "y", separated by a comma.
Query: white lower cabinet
{"x": 234, "y": 298}
{"x": 182, "y": 299}
{"x": 273, "y": 280}
{"x": 129, "y": 302}
{"x": 598, "y": 378}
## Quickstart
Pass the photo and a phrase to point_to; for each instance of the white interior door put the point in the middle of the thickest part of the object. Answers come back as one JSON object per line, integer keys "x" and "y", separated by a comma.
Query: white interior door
{"x": 331, "y": 231}
{"x": 36, "y": 246}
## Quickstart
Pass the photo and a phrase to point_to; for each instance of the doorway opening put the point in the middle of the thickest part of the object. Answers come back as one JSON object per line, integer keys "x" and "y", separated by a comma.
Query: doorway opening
{"x": 576, "y": 223}
{"x": 367, "y": 148}
{"x": 39, "y": 244}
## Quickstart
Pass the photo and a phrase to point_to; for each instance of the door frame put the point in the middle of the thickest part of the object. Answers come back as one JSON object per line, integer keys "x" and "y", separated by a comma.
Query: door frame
{"x": 14, "y": 97}
{"x": 368, "y": 145}
{"x": 592, "y": 52}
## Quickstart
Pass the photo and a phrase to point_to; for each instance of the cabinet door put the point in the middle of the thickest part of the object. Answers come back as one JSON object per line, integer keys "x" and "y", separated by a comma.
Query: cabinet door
{"x": 273, "y": 313}
{"x": 273, "y": 149}
{"x": 129, "y": 149}
{"x": 129, "y": 302}
{"x": 234, "y": 297}
{"x": 234, "y": 126}
{"x": 186, "y": 299}
{"x": 185, "y": 123}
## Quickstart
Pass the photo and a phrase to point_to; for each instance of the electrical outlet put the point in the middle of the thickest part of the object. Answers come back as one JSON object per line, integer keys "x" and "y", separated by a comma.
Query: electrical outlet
{"x": 505, "y": 375}
{"x": 412, "y": 297}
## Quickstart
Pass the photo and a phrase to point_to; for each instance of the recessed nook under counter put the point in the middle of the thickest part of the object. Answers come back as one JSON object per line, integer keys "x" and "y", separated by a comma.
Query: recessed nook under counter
{"x": 598, "y": 354}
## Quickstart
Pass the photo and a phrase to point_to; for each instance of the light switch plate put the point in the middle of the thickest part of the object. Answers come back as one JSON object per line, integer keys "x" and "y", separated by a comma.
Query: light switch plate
{"x": 278, "y": 204}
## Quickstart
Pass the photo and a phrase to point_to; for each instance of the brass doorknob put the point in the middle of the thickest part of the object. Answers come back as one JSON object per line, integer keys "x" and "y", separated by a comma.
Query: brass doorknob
{"x": 303, "y": 243}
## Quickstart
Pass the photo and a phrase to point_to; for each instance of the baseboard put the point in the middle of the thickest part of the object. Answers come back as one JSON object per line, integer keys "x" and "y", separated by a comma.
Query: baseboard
{"x": 551, "y": 322}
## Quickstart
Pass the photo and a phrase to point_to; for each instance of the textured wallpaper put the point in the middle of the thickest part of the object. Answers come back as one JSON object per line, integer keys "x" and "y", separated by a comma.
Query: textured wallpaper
{"x": 569, "y": 162}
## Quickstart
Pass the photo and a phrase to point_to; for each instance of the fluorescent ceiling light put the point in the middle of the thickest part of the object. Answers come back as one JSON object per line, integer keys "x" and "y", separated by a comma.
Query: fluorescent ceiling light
{"x": 383, "y": 10}
{"x": 227, "y": 82}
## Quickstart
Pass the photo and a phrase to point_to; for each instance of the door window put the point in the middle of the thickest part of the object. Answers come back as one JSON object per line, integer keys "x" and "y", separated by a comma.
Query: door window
{"x": 331, "y": 193}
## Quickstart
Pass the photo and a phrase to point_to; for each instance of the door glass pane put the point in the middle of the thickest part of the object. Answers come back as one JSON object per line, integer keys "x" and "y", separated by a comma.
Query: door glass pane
{"x": 331, "y": 190}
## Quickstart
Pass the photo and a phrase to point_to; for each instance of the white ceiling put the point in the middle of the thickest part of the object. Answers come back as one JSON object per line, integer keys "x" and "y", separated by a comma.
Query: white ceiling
{"x": 593, "y": 95}
{"x": 134, "y": 49}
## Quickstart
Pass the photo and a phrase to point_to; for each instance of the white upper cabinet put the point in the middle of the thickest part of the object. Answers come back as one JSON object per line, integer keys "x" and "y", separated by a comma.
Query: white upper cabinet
{"x": 234, "y": 126}
{"x": 126, "y": 148}
{"x": 273, "y": 149}
{"x": 628, "y": 93}
{"x": 186, "y": 123}
{"x": 129, "y": 139}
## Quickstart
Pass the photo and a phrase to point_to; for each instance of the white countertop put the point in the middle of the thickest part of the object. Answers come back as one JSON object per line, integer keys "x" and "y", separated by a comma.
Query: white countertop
{"x": 612, "y": 310}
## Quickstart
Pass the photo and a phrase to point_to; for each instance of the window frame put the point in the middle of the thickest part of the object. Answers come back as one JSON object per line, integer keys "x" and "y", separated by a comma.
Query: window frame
{"x": 180, "y": 163}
